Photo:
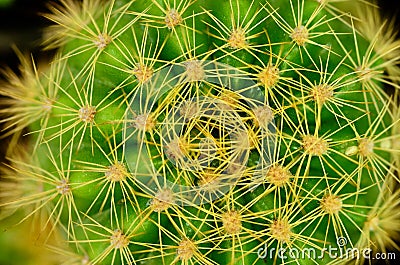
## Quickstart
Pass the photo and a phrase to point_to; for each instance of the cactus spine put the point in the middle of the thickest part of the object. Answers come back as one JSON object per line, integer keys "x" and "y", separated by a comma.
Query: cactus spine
{"x": 209, "y": 132}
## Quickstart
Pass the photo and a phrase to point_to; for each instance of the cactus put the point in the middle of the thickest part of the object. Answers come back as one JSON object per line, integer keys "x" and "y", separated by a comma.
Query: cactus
{"x": 208, "y": 132}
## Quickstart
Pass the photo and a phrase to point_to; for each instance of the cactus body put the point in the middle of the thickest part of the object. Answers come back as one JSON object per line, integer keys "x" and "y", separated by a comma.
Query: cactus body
{"x": 209, "y": 132}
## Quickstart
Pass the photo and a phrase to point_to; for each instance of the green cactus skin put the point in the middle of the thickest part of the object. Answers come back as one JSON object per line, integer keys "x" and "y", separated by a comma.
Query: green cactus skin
{"x": 209, "y": 132}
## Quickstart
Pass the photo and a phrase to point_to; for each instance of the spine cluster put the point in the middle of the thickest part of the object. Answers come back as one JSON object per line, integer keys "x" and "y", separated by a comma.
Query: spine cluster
{"x": 208, "y": 132}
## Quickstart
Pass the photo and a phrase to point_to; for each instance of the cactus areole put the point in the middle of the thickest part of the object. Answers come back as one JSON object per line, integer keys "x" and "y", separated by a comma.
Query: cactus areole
{"x": 210, "y": 132}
